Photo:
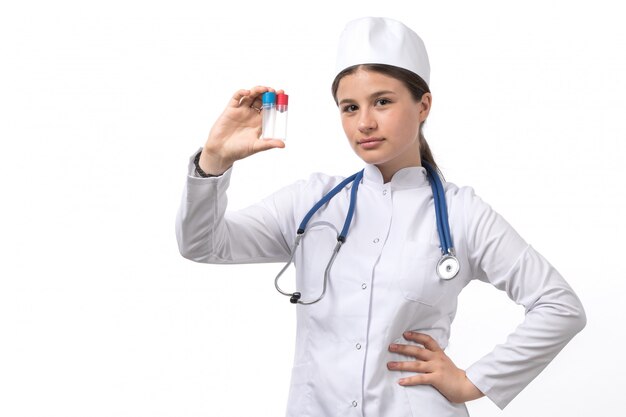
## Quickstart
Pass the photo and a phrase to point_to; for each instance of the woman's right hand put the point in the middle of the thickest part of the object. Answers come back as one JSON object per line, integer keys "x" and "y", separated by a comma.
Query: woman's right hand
{"x": 235, "y": 134}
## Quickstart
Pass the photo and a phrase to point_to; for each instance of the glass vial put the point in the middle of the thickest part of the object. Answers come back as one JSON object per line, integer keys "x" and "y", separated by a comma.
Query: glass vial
{"x": 280, "y": 124}
{"x": 269, "y": 115}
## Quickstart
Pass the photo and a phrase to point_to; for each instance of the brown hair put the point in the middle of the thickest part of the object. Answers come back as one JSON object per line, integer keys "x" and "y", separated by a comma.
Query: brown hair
{"x": 416, "y": 85}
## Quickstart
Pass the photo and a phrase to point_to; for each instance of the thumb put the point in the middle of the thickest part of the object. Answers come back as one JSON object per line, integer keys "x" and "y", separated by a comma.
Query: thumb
{"x": 266, "y": 144}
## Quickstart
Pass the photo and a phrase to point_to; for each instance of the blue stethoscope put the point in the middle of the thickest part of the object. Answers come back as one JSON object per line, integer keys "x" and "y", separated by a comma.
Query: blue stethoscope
{"x": 448, "y": 266}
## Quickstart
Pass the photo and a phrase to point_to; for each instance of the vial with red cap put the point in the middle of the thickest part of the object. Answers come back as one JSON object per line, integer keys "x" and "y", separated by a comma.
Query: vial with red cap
{"x": 280, "y": 123}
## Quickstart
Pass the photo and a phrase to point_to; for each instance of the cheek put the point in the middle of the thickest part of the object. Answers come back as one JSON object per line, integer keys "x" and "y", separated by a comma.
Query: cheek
{"x": 408, "y": 125}
{"x": 348, "y": 126}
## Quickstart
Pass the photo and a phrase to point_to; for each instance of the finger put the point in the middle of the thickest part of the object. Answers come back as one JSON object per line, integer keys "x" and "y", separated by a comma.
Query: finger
{"x": 256, "y": 95}
{"x": 423, "y": 339}
{"x": 257, "y": 103}
{"x": 410, "y": 350}
{"x": 258, "y": 91}
{"x": 235, "y": 101}
{"x": 409, "y": 366}
{"x": 419, "y": 379}
{"x": 249, "y": 96}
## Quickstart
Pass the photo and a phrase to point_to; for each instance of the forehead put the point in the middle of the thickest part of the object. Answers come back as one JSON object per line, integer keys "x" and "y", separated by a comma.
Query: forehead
{"x": 362, "y": 83}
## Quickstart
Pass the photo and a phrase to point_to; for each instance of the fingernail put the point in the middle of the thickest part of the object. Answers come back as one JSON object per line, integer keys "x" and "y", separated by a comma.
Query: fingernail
{"x": 407, "y": 334}
{"x": 392, "y": 365}
{"x": 393, "y": 346}
{"x": 401, "y": 381}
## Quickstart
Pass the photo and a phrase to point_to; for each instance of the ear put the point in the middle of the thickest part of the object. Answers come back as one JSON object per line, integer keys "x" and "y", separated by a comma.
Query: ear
{"x": 424, "y": 106}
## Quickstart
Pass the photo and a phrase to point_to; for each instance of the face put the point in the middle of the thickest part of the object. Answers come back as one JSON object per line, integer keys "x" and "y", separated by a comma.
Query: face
{"x": 381, "y": 120}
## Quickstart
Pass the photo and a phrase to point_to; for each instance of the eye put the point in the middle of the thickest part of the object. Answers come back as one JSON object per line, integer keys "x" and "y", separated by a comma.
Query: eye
{"x": 382, "y": 101}
{"x": 349, "y": 108}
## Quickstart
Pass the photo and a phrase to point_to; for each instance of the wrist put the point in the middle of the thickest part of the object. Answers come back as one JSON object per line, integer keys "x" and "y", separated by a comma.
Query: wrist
{"x": 470, "y": 391}
{"x": 210, "y": 165}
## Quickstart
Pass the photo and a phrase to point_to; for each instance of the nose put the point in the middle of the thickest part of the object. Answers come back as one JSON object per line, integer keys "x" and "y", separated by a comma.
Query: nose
{"x": 367, "y": 121}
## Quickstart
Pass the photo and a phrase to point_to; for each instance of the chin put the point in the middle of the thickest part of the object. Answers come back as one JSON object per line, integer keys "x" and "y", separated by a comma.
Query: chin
{"x": 371, "y": 158}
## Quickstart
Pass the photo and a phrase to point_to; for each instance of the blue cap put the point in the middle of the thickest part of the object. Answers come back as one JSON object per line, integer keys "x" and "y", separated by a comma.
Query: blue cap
{"x": 269, "y": 98}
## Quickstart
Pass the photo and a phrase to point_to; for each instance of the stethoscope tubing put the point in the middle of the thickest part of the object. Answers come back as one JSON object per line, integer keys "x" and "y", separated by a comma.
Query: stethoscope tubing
{"x": 356, "y": 180}
{"x": 325, "y": 199}
{"x": 441, "y": 215}
{"x": 441, "y": 210}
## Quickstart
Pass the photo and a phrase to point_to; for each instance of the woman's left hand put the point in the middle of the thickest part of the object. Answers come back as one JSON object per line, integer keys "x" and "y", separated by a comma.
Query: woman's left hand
{"x": 434, "y": 368}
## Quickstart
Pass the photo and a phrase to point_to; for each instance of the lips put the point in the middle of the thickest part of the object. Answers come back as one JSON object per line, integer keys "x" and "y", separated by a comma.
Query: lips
{"x": 370, "y": 143}
{"x": 368, "y": 140}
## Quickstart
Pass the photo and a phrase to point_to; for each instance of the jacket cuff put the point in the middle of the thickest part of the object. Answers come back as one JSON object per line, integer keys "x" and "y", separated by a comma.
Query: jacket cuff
{"x": 486, "y": 386}
{"x": 192, "y": 174}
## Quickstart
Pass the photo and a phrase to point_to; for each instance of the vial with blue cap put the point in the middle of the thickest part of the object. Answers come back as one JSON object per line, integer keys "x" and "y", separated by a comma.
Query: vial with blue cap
{"x": 269, "y": 115}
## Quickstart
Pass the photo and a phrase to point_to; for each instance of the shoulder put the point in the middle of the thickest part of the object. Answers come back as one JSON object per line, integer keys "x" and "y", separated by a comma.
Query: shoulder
{"x": 307, "y": 189}
{"x": 479, "y": 221}
{"x": 320, "y": 183}
{"x": 468, "y": 210}
{"x": 464, "y": 198}
{"x": 317, "y": 179}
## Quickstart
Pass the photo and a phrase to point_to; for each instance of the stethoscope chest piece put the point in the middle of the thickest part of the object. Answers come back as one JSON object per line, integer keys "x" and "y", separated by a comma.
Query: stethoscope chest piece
{"x": 448, "y": 267}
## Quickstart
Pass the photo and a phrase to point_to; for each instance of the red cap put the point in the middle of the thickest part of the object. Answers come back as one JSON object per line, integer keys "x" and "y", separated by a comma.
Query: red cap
{"x": 282, "y": 99}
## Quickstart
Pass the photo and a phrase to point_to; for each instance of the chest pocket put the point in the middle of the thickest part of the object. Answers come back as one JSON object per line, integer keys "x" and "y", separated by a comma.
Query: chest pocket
{"x": 418, "y": 279}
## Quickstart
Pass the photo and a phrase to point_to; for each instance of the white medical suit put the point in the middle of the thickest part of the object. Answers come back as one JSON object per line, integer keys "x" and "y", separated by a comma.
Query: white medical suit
{"x": 383, "y": 282}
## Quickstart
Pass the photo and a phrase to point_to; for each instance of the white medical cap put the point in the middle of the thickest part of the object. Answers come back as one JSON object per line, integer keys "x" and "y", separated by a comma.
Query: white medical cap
{"x": 378, "y": 40}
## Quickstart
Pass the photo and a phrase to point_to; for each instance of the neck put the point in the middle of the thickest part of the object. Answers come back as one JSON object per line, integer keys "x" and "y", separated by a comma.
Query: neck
{"x": 389, "y": 169}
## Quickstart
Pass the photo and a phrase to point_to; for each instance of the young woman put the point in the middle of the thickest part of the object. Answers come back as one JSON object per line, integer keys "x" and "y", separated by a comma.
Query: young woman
{"x": 374, "y": 321}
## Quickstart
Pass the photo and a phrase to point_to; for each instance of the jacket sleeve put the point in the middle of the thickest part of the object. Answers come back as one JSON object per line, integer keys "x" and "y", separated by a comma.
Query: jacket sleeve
{"x": 553, "y": 312}
{"x": 207, "y": 233}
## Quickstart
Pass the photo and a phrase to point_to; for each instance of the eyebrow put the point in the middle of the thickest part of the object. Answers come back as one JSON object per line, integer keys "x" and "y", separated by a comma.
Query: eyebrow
{"x": 375, "y": 94}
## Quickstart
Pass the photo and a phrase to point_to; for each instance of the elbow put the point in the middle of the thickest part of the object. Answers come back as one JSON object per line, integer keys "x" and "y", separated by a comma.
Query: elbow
{"x": 580, "y": 319}
{"x": 576, "y": 318}
{"x": 183, "y": 246}
{"x": 194, "y": 255}
{"x": 189, "y": 245}
{"x": 193, "y": 251}
{"x": 565, "y": 317}
{"x": 185, "y": 252}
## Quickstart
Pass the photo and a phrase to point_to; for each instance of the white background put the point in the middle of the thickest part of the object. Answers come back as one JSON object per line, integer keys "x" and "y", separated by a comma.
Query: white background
{"x": 101, "y": 105}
